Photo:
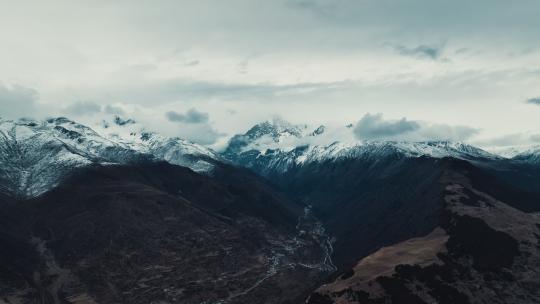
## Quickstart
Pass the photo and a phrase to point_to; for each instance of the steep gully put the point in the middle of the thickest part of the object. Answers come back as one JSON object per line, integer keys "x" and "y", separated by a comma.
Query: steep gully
{"x": 308, "y": 227}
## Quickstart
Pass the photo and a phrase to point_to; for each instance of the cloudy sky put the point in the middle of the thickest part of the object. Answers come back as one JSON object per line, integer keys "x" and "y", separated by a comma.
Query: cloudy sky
{"x": 204, "y": 70}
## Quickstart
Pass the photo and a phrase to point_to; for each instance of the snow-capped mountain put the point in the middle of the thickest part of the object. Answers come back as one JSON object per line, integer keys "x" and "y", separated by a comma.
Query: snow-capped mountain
{"x": 36, "y": 155}
{"x": 268, "y": 147}
{"x": 512, "y": 151}
{"x": 528, "y": 154}
{"x": 281, "y": 161}
{"x": 174, "y": 150}
{"x": 268, "y": 134}
{"x": 531, "y": 155}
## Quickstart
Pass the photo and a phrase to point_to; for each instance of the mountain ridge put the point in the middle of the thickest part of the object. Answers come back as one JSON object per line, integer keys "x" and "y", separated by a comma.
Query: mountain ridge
{"x": 36, "y": 155}
{"x": 483, "y": 250}
{"x": 116, "y": 215}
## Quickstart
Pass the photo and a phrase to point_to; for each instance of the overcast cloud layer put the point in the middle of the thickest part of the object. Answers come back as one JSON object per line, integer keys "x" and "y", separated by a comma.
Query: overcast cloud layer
{"x": 204, "y": 70}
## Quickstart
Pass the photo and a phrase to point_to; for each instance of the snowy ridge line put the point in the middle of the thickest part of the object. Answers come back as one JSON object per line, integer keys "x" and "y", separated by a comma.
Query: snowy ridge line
{"x": 283, "y": 160}
{"x": 278, "y": 146}
{"x": 36, "y": 155}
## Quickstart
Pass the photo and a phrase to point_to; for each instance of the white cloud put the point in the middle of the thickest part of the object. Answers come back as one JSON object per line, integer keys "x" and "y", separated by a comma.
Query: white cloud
{"x": 375, "y": 127}
{"x": 83, "y": 108}
{"x": 421, "y": 51}
{"x": 247, "y": 57}
{"x": 534, "y": 101}
{"x": 112, "y": 109}
{"x": 192, "y": 116}
{"x": 17, "y": 101}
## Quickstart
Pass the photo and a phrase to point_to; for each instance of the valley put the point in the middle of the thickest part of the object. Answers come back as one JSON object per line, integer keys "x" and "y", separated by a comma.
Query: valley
{"x": 96, "y": 218}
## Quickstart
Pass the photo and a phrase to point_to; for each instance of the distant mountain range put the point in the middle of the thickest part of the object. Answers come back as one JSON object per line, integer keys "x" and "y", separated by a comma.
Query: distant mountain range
{"x": 284, "y": 214}
{"x": 275, "y": 137}
{"x": 36, "y": 155}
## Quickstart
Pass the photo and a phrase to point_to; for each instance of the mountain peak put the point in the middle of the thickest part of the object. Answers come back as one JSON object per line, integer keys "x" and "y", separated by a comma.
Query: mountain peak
{"x": 275, "y": 129}
{"x": 270, "y": 131}
{"x": 320, "y": 130}
{"x": 122, "y": 122}
{"x": 530, "y": 155}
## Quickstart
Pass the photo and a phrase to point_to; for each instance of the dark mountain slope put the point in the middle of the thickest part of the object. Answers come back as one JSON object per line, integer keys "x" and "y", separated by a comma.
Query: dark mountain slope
{"x": 377, "y": 200}
{"x": 518, "y": 183}
{"x": 156, "y": 232}
{"x": 366, "y": 205}
{"x": 229, "y": 192}
{"x": 482, "y": 251}
{"x": 18, "y": 259}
